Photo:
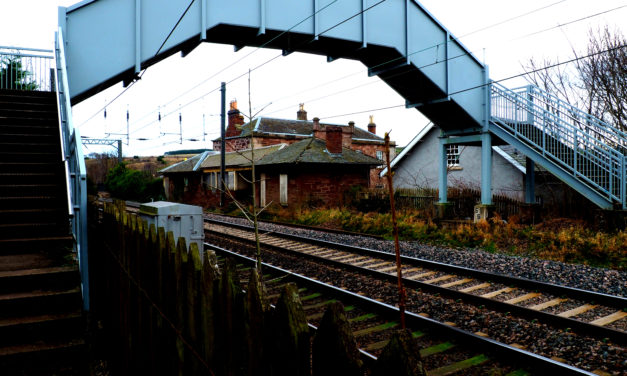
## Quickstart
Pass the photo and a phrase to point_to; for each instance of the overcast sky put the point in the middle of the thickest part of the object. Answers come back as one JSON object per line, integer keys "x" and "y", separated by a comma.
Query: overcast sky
{"x": 523, "y": 30}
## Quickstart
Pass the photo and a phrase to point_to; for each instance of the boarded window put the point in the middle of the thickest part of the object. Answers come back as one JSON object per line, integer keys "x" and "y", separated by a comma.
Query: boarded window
{"x": 283, "y": 189}
{"x": 232, "y": 181}
{"x": 262, "y": 190}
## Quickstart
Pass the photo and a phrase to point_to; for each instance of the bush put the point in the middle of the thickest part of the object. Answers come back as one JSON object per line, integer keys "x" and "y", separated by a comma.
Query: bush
{"x": 129, "y": 184}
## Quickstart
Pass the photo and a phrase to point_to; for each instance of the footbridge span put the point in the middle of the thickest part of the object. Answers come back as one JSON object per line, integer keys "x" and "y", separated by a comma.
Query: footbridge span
{"x": 102, "y": 42}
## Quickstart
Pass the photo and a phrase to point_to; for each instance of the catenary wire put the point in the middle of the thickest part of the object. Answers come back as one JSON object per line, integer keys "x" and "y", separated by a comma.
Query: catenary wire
{"x": 144, "y": 71}
{"x": 491, "y": 82}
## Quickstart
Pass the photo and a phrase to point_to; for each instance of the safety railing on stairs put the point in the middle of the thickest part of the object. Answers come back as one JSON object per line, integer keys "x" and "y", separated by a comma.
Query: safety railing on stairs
{"x": 75, "y": 167}
{"x": 585, "y": 147}
{"x": 26, "y": 69}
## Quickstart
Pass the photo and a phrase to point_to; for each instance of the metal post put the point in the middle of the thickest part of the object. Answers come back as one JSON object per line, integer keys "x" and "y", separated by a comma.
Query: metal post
{"x": 180, "y": 127}
{"x": 222, "y": 143}
{"x": 486, "y": 168}
{"x": 442, "y": 185}
{"x": 119, "y": 151}
{"x": 530, "y": 181}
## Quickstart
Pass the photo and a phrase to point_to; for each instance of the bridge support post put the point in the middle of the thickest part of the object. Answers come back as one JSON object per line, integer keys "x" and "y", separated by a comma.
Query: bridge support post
{"x": 486, "y": 168}
{"x": 442, "y": 171}
{"x": 530, "y": 182}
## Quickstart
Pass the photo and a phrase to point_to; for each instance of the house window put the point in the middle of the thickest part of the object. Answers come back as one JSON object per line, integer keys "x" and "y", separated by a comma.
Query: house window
{"x": 452, "y": 155}
{"x": 379, "y": 154}
{"x": 283, "y": 189}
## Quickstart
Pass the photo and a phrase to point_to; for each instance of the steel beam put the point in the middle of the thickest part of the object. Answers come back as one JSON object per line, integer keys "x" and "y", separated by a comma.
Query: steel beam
{"x": 442, "y": 171}
{"x": 486, "y": 168}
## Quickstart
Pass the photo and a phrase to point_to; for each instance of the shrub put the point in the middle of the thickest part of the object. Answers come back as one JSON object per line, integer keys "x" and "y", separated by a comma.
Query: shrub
{"x": 129, "y": 184}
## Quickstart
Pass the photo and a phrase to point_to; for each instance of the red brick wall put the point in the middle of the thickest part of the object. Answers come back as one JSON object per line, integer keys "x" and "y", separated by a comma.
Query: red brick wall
{"x": 314, "y": 185}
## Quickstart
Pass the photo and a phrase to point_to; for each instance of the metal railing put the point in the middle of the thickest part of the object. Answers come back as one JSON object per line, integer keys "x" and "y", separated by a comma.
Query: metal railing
{"x": 26, "y": 69}
{"x": 75, "y": 167}
{"x": 588, "y": 149}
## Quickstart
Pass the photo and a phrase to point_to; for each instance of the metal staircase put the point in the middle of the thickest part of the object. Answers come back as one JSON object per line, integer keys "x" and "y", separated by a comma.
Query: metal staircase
{"x": 586, "y": 153}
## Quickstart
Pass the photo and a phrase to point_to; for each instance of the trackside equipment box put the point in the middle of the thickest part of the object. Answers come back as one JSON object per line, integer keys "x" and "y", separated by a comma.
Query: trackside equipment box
{"x": 183, "y": 220}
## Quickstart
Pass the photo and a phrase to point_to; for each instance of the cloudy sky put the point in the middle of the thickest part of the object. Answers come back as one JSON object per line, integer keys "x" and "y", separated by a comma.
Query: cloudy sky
{"x": 504, "y": 34}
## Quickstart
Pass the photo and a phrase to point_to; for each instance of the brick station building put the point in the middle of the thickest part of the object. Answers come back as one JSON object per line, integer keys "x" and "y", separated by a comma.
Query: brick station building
{"x": 297, "y": 162}
{"x": 271, "y": 131}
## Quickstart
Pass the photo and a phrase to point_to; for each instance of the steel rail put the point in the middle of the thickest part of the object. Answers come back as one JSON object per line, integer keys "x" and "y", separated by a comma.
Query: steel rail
{"x": 512, "y": 354}
{"x": 581, "y": 327}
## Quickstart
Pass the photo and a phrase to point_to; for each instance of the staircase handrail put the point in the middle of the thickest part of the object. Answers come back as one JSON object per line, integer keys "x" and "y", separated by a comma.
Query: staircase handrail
{"x": 75, "y": 162}
{"x": 604, "y": 155}
{"x": 596, "y": 125}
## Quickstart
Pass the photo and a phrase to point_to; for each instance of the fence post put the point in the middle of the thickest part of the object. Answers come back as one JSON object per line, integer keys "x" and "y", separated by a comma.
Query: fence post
{"x": 255, "y": 314}
{"x": 207, "y": 317}
{"x": 400, "y": 357}
{"x": 334, "y": 350}
{"x": 291, "y": 355}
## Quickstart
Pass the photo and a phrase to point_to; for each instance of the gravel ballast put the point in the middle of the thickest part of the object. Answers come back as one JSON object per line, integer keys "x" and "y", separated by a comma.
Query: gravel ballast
{"x": 607, "y": 281}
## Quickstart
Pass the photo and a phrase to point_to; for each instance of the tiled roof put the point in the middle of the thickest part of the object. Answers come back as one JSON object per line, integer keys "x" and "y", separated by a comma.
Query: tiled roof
{"x": 239, "y": 158}
{"x": 183, "y": 166}
{"x": 264, "y": 126}
{"x": 212, "y": 161}
{"x": 313, "y": 150}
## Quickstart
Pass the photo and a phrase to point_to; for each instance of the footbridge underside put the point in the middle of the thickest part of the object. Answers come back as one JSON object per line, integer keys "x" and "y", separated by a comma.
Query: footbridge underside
{"x": 108, "y": 41}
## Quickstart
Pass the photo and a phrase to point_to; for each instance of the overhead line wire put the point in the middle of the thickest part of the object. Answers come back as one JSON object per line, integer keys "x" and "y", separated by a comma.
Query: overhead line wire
{"x": 264, "y": 63}
{"x": 144, "y": 71}
{"x": 245, "y": 56}
{"x": 352, "y": 74}
{"x": 447, "y": 59}
{"x": 491, "y": 82}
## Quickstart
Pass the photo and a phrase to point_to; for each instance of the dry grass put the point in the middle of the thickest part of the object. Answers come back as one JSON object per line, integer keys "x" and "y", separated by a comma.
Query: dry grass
{"x": 558, "y": 239}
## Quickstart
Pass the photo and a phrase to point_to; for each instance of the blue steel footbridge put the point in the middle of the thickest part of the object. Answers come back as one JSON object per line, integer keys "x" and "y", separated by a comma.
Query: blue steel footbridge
{"x": 103, "y": 42}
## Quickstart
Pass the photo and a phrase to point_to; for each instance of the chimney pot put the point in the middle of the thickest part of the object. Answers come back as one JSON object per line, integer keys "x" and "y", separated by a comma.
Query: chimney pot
{"x": 372, "y": 127}
{"x": 301, "y": 114}
{"x": 236, "y": 119}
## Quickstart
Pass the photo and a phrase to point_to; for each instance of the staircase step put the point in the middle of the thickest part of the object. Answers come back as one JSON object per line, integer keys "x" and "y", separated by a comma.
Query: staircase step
{"x": 35, "y": 260}
{"x": 45, "y": 358}
{"x": 29, "y": 121}
{"x": 30, "y": 189}
{"x": 8, "y": 216}
{"x": 30, "y": 329}
{"x": 16, "y": 230}
{"x": 49, "y": 128}
{"x": 27, "y": 138}
{"x": 33, "y": 202}
{"x": 28, "y": 167}
{"x": 18, "y": 104}
{"x": 29, "y": 112}
{"x": 51, "y": 245}
{"x": 29, "y": 146}
{"x": 39, "y": 302}
{"x": 27, "y": 96}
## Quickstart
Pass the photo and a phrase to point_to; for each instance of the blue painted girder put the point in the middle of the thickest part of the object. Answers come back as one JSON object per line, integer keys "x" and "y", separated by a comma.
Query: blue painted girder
{"x": 109, "y": 41}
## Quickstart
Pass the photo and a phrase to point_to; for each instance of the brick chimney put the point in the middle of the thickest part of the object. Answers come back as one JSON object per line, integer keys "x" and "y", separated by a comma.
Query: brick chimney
{"x": 318, "y": 130}
{"x": 236, "y": 120}
{"x": 334, "y": 139}
{"x": 301, "y": 114}
{"x": 347, "y": 134}
{"x": 372, "y": 127}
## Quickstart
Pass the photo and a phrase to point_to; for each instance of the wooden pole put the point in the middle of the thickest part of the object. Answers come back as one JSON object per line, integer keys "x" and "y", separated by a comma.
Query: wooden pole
{"x": 399, "y": 272}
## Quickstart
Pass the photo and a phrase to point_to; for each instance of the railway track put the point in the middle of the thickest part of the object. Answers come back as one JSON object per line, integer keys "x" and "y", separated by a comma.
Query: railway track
{"x": 585, "y": 312}
{"x": 445, "y": 350}
{"x": 599, "y": 316}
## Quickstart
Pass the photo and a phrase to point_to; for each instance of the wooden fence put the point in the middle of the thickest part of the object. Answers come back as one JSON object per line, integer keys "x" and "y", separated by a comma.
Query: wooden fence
{"x": 169, "y": 311}
{"x": 462, "y": 201}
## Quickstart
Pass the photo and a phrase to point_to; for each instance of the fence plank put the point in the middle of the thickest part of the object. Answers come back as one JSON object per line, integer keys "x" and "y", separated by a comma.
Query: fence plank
{"x": 334, "y": 350}
{"x": 291, "y": 348}
{"x": 400, "y": 357}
